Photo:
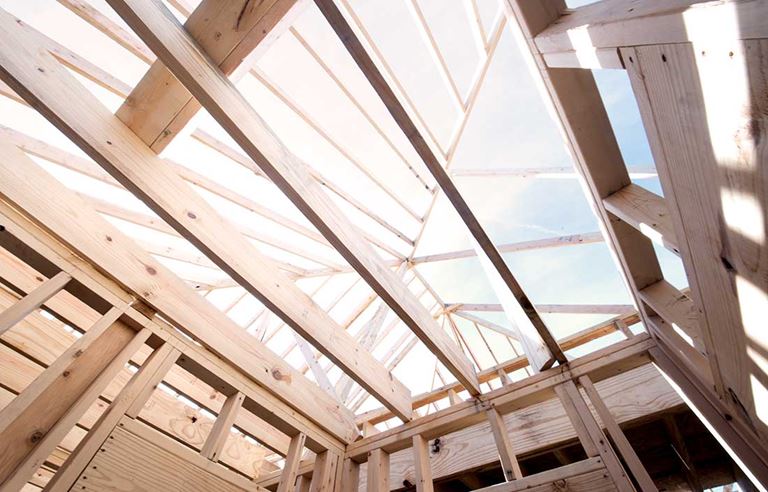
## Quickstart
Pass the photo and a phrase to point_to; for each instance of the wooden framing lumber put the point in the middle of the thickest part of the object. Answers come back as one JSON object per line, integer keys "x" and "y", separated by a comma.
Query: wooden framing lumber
{"x": 539, "y": 387}
{"x": 214, "y": 444}
{"x": 144, "y": 276}
{"x": 135, "y": 451}
{"x": 509, "y": 465}
{"x": 21, "y": 277}
{"x": 542, "y": 172}
{"x": 378, "y": 471}
{"x": 591, "y": 435}
{"x": 154, "y": 23}
{"x": 736, "y": 438}
{"x": 151, "y": 372}
{"x": 567, "y": 343}
{"x": 291, "y": 466}
{"x": 47, "y": 409}
{"x": 619, "y": 439}
{"x": 593, "y": 146}
{"x": 324, "y": 472}
{"x": 32, "y": 301}
{"x": 350, "y": 476}
{"x": 676, "y": 308}
{"x": 236, "y": 156}
{"x": 48, "y": 255}
{"x": 160, "y": 106}
{"x": 590, "y": 32}
{"x": 571, "y": 240}
{"x": 126, "y": 39}
{"x": 541, "y": 347}
{"x": 421, "y": 465}
{"x": 698, "y": 141}
{"x": 582, "y": 475}
{"x": 533, "y": 427}
{"x": 546, "y": 308}
{"x": 41, "y": 384}
{"x": 118, "y": 150}
{"x": 646, "y": 212}
{"x": 83, "y": 166}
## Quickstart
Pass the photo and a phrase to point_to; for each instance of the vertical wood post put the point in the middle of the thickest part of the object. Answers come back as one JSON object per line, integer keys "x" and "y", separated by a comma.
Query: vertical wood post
{"x": 350, "y": 476}
{"x": 324, "y": 472}
{"x": 302, "y": 484}
{"x": 509, "y": 463}
{"x": 378, "y": 471}
{"x": 292, "y": 459}
{"x": 216, "y": 440}
{"x": 421, "y": 464}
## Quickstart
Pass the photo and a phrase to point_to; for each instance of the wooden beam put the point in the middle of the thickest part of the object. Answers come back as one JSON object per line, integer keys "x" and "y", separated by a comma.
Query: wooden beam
{"x": 27, "y": 186}
{"x": 110, "y": 28}
{"x": 324, "y": 472}
{"x": 681, "y": 450}
{"x": 47, "y": 254}
{"x": 421, "y": 465}
{"x": 72, "y": 311}
{"x": 619, "y": 439}
{"x": 541, "y": 347}
{"x": 573, "y": 96}
{"x": 509, "y": 465}
{"x": 646, "y": 212}
{"x": 547, "y": 308}
{"x": 32, "y": 301}
{"x": 215, "y": 441}
{"x": 543, "y": 172}
{"x": 696, "y": 100}
{"x": 159, "y": 107}
{"x": 588, "y": 31}
{"x": 582, "y": 475}
{"x": 88, "y": 168}
{"x": 737, "y": 439}
{"x": 554, "y": 242}
{"x": 539, "y": 387}
{"x": 549, "y": 429}
{"x": 149, "y": 375}
{"x": 291, "y": 466}
{"x": 591, "y": 435}
{"x": 378, "y": 471}
{"x": 222, "y": 147}
{"x": 567, "y": 343}
{"x": 350, "y": 476}
{"x": 154, "y": 23}
{"x": 120, "y": 152}
{"x": 34, "y": 423}
{"x": 675, "y": 308}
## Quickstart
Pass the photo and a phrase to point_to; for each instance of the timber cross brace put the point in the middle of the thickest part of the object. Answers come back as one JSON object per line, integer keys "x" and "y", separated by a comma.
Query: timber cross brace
{"x": 247, "y": 297}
